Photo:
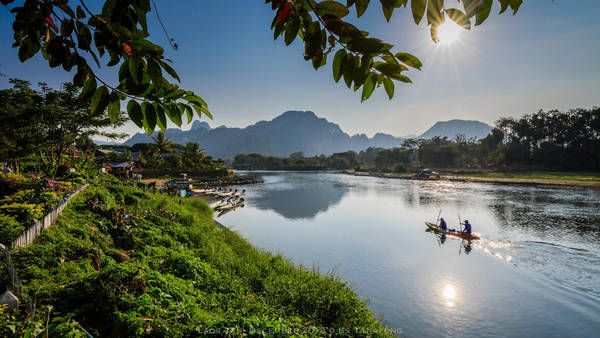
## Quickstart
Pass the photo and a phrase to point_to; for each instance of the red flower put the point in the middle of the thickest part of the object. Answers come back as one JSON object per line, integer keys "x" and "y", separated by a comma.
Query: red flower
{"x": 285, "y": 11}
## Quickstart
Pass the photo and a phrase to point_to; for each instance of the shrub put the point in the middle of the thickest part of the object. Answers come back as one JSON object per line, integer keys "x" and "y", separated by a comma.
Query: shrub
{"x": 130, "y": 199}
{"x": 11, "y": 183}
{"x": 22, "y": 212}
{"x": 9, "y": 229}
{"x": 46, "y": 199}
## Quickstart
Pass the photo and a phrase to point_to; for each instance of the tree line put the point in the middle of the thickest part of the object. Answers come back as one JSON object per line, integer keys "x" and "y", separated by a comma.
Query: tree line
{"x": 552, "y": 140}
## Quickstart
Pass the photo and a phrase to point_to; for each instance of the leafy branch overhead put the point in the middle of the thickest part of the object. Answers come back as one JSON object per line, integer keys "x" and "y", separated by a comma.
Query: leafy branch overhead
{"x": 70, "y": 35}
{"x": 361, "y": 60}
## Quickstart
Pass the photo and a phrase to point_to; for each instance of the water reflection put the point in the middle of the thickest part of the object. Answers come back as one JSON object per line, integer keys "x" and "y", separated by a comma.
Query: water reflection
{"x": 535, "y": 271}
{"x": 449, "y": 294}
{"x": 298, "y": 197}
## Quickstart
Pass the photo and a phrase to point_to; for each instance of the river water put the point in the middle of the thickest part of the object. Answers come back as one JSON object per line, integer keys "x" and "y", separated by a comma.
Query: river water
{"x": 535, "y": 272}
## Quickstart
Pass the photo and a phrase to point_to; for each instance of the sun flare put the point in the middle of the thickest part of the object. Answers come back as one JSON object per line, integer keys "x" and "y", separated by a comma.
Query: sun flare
{"x": 449, "y": 32}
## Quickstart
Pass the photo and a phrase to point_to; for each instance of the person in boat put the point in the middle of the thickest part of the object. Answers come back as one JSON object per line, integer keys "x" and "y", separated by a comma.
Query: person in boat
{"x": 467, "y": 229}
{"x": 443, "y": 224}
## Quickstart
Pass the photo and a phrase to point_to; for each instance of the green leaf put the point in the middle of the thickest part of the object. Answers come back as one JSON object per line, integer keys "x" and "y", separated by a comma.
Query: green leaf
{"x": 471, "y": 7}
{"x": 418, "y": 9}
{"x": 459, "y": 17}
{"x": 155, "y": 73}
{"x": 99, "y": 101}
{"x": 515, "y": 4}
{"x": 80, "y": 77}
{"x": 170, "y": 70}
{"x": 189, "y": 112}
{"x": 291, "y": 30}
{"x": 409, "y": 60}
{"x": 114, "y": 107}
{"x": 84, "y": 36}
{"x": 368, "y": 46}
{"x": 161, "y": 119}
{"x": 337, "y": 65}
{"x": 135, "y": 113}
{"x": 195, "y": 99}
{"x": 174, "y": 113}
{"x": 200, "y": 110}
{"x": 434, "y": 12}
{"x": 28, "y": 49}
{"x": 88, "y": 88}
{"x": 148, "y": 117}
{"x": 331, "y": 8}
{"x": 389, "y": 68}
{"x": 369, "y": 86}
{"x": 134, "y": 64}
{"x": 483, "y": 12}
{"x": 279, "y": 27}
{"x": 503, "y": 5}
{"x": 401, "y": 78}
{"x": 389, "y": 87}
{"x": 361, "y": 7}
{"x": 80, "y": 13}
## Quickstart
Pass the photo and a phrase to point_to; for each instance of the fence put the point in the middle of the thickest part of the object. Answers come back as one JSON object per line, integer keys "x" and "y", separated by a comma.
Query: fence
{"x": 37, "y": 227}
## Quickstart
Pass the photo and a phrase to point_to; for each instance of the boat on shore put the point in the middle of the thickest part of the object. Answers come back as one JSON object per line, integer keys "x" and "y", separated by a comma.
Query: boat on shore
{"x": 458, "y": 234}
{"x": 228, "y": 208}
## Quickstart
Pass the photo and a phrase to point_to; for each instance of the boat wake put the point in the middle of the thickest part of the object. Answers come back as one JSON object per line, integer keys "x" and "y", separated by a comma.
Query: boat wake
{"x": 577, "y": 269}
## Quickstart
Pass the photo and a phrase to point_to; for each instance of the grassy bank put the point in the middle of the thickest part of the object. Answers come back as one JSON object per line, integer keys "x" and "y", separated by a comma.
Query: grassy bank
{"x": 121, "y": 262}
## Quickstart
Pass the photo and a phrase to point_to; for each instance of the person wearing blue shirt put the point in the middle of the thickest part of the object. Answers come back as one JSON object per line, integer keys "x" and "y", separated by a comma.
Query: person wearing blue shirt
{"x": 467, "y": 229}
{"x": 443, "y": 224}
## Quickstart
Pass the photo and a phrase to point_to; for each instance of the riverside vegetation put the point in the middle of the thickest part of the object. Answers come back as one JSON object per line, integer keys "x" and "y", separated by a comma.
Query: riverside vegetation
{"x": 120, "y": 261}
{"x": 549, "y": 141}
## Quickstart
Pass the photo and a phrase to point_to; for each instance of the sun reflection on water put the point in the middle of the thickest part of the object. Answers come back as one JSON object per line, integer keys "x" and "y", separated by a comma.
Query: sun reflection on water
{"x": 449, "y": 293}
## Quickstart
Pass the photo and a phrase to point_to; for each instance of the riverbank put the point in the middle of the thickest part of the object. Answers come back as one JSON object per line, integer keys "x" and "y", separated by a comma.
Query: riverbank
{"x": 580, "y": 180}
{"x": 121, "y": 261}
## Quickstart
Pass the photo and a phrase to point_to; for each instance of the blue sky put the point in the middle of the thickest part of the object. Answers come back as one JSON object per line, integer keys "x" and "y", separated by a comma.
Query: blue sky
{"x": 544, "y": 57}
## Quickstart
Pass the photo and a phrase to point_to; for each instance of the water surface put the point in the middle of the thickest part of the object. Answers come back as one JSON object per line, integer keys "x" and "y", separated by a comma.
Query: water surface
{"x": 536, "y": 271}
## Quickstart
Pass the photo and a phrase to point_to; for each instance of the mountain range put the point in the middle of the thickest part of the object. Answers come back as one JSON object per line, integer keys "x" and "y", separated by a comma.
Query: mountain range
{"x": 295, "y": 131}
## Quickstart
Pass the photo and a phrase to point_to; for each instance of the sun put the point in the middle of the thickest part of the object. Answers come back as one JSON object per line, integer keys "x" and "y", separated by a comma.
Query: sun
{"x": 449, "y": 32}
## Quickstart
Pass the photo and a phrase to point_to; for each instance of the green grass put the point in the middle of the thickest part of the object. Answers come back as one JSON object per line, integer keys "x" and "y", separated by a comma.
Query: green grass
{"x": 167, "y": 270}
{"x": 561, "y": 176}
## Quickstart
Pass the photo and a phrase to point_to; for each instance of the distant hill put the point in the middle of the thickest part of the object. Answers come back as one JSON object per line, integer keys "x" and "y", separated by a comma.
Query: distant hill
{"x": 295, "y": 131}
{"x": 452, "y": 128}
{"x": 289, "y": 132}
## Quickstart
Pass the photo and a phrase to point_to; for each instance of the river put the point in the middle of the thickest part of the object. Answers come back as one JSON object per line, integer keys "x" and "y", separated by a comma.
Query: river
{"x": 535, "y": 272}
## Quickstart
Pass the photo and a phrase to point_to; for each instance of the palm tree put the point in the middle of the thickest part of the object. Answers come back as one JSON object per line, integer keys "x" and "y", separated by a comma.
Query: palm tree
{"x": 162, "y": 144}
{"x": 192, "y": 148}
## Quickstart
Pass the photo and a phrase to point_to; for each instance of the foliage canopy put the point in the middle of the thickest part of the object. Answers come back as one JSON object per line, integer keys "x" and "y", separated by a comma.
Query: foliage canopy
{"x": 70, "y": 35}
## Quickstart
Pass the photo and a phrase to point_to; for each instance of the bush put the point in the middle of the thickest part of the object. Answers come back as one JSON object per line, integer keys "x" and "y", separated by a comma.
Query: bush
{"x": 9, "y": 229}
{"x": 46, "y": 199}
{"x": 11, "y": 183}
{"x": 22, "y": 212}
{"x": 130, "y": 200}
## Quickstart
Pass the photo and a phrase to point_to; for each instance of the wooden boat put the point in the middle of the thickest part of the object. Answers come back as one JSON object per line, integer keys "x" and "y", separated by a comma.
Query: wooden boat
{"x": 202, "y": 191}
{"x": 224, "y": 203}
{"x": 218, "y": 204}
{"x": 226, "y": 193}
{"x": 230, "y": 208}
{"x": 438, "y": 229}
